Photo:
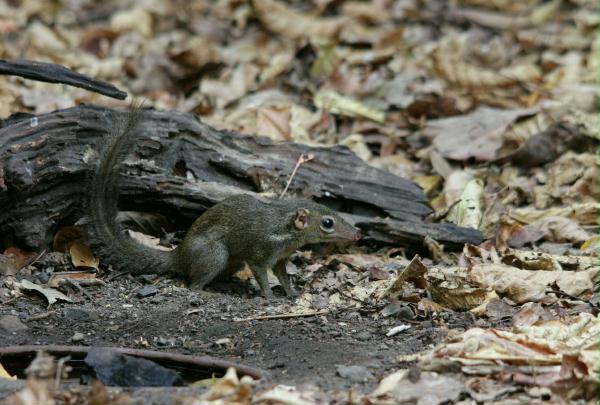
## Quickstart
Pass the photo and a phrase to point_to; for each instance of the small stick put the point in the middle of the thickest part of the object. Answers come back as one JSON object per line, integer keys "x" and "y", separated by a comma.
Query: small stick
{"x": 76, "y": 286}
{"x": 29, "y": 263}
{"x": 283, "y": 316}
{"x": 60, "y": 367}
{"x": 40, "y": 316}
{"x": 301, "y": 160}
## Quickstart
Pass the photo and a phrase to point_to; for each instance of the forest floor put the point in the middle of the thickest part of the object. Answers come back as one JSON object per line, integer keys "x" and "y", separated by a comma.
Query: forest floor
{"x": 490, "y": 107}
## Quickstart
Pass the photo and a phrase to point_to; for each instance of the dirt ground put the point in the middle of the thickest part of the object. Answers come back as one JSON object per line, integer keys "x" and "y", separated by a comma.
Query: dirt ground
{"x": 490, "y": 107}
{"x": 293, "y": 351}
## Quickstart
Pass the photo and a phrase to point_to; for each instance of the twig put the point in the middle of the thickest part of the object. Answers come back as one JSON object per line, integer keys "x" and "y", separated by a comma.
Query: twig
{"x": 284, "y": 316}
{"x": 567, "y": 295}
{"x": 29, "y": 263}
{"x": 301, "y": 160}
{"x": 40, "y": 316}
{"x": 76, "y": 286}
{"x": 115, "y": 276}
{"x": 51, "y": 73}
{"x": 60, "y": 367}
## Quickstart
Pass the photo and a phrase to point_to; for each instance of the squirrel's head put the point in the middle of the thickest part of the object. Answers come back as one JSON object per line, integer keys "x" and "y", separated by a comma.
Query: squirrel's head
{"x": 318, "y": 223}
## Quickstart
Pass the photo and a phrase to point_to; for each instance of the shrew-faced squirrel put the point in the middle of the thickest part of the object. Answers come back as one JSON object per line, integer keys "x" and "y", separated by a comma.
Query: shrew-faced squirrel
{"x": 239, "y": 230}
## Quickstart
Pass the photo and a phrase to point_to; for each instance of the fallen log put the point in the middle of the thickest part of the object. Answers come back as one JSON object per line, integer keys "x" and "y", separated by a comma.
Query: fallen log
{"x": 180, "y": 166}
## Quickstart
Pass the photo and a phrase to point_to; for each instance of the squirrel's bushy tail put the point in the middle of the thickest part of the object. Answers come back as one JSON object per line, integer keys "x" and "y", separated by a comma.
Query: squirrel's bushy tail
{"x": 108, "y": 237}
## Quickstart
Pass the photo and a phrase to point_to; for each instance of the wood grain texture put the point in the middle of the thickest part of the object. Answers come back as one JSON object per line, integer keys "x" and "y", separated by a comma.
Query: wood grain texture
{"x": 181, "y": 166}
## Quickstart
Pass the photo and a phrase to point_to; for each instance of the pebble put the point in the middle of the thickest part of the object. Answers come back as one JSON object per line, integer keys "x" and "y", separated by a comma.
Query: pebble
{"x": 399, "y": 310}
{"x": 147, "y": 291}
{"x": 77, "y": 337}
{"x": 80, "y": 314}
{"x": 363, "y": 336}
{"x": 148, "y": 278}
{"x": 43, "y": 277}
{"x": 12, "y": 324}
{"x": 354, "y": 373}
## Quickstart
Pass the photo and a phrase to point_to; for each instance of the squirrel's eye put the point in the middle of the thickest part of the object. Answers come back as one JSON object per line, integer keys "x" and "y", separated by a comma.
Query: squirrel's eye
{"x": 327, "y": 224}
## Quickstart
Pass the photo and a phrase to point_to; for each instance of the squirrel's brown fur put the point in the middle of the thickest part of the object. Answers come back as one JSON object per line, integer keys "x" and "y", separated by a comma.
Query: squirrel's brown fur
{"x": 239, "y": 230}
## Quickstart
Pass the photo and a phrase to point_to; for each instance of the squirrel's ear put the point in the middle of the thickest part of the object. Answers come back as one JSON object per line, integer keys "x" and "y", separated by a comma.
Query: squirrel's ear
{"x": 301, "y": 219}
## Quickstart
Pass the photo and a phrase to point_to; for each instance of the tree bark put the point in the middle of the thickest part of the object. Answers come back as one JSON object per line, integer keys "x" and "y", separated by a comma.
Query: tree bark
{"x": 181, "y": 166}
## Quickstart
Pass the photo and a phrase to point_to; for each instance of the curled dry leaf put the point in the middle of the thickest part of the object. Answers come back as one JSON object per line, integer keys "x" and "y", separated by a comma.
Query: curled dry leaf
{"x": 64, "y": 237}
{"x": 451, "y": 288}
{"x": 279, "y": 18}
{"x": 528, "y": 260}
{"x": 532, "y": 260}
{"x": 409, "y": 283}
{"x": 582, "y": 213}
{"x": 539, "y": 355}
{"x": 469, "y": 210}
{"x": 50, "y": 294}
{"x": 82, "y": 256}
{"x": 523, "y": 286}
{"x": 449, "y": 61}
{"x": 230, "y": 389}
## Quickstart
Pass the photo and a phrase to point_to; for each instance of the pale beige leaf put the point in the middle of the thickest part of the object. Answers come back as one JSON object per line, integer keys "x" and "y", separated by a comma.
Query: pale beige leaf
{"x": 50, "y": 294}
{"x": 523, "y": 286}
{"x": 469, "y": 210}
{"x": 279, "y": 18}
{"x": 478, "y": 134}
{"x": 343, "y": 105}
{"x": 583, "y": 213}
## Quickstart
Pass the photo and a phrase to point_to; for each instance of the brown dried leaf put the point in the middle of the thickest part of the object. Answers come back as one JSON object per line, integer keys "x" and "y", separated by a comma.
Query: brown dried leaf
{"x": 540, "y": 355}
{"x": 478, "y": 134}
{"x": 428, "y": 389}
{"x": 279, "y": 18}
{"x": 19, "y": 257}
{"x": 456, "y": 71}
{"x": 409, "y": 281}
{"x": 530, "y": 314}
{"x": 523, "y": 286}
{"x": 560, "y": 229}
{"x": 516, "y": 235}
{"x": 582, "y": 213}
{"x": 82, "y": 256}
{"x": 274, "y": 122}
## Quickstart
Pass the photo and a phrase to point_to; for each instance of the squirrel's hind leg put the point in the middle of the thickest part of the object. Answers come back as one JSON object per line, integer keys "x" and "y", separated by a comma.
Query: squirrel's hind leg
{"x": 209, "y": 261}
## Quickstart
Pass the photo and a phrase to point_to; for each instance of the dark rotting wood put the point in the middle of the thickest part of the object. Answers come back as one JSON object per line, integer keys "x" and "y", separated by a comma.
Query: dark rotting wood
{"x": 180, "y": 166}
